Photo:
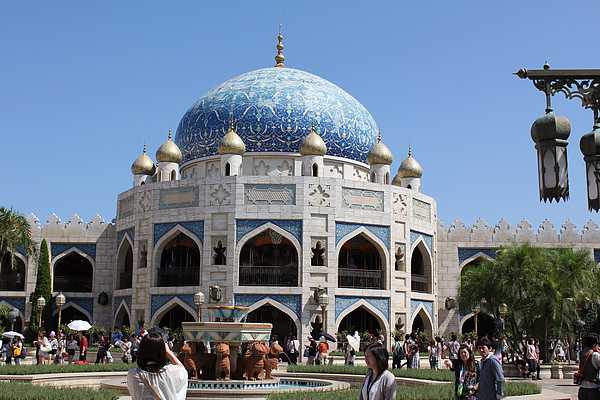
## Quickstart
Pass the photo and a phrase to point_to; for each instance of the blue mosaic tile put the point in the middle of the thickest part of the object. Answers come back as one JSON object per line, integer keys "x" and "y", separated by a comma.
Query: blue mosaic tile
{"x": 196, "y": 227}
{"x": 243, "y": 226}
{"x": 159, "y": 300}
{"x": 428, "y": 239}
{"x": 86, "y": 304}
{"x": 344, "y": 302}
{"x": 21, "y": 250}
{"x": 272, "y": 110}
{"x": 291, "y": 301}
{"x": 119, "y": 300}
{"x": 192, "y": 197}
{"x": 130, "y": 232}
{"x": 362, "y": 199}
{"x": 16, "y": 302}
{"x": 342, "y": 229}
{"x": 597, "y": 255}
{"x": 465, "y": 254}
{"x": 414, "y": 305}
{"x": 60, "y": 248}
{"x": 270, "y": 194}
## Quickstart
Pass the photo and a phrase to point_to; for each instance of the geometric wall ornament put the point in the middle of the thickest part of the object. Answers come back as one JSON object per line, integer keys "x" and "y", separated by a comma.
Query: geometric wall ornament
{"x": 16, "y": 302}
{"x": 344, "y": 228}
{"x": 243, "y": 226}
{"x": 196, "y": 227}
{"x": 159, "y": 300}
{"x": 380, "y": 303}
{"x": 421, "y": 210}
{"x": 414, "y": 305}
{"x": 362, "y": 199}
{"x": 270, "y": 194}
{"x": 291, "y": 301}
{"x": 428, "y": 239}
{"x": 121, "y": 234}
{"x": 465, "y": 254}
{"x": 178, "y": 197}
{"x": 87, "y": 248}
{"x": 119, "y": 300}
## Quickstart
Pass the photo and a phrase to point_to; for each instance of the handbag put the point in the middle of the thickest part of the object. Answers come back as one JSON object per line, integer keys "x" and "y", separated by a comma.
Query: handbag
{"x": 17, "y": 352}
{"x": 45, "y": 349}
{"x": 306, "y": 353}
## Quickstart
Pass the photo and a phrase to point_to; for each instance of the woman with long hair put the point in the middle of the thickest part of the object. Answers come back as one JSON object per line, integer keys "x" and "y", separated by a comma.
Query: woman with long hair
{"x": 379, "y": 384}
{"x": 466, "y": 373}
{"x": 154, "y": 378}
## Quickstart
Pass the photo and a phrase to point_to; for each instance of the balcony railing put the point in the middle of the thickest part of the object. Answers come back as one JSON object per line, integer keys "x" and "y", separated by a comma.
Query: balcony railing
{"x": 360, "y": 278}
{"x": 125, "y": 279}
{"x": 419, "y": 283}
{"x": 72, "y": 283}
{"x": 178, "y": 277}
{"x": 9, "y": 282}
{"x": 269, "y": 276}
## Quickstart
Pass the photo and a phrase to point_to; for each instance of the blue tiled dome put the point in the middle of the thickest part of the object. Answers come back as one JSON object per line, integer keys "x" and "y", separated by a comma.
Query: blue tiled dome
{"x": 272, "y": 110}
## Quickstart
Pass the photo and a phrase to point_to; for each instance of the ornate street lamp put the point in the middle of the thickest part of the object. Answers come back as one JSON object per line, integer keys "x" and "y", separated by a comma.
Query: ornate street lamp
{"x": 322, "y": 299}
{"x": 551, "y": 131}
{"x": 450, "y": 303}
{"x": 60, "y": 302}
{"x": 476, "y": 308}
{"x": 41, "y": 303}
{"x": 198, "y": 301}
{"x": 12, "y": 318}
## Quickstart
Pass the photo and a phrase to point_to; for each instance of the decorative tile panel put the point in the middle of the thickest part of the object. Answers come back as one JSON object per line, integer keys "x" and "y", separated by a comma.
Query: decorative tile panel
{"x": 87, "y": 248}
{"x": 159, "y": 300}
{"x": 362, "y": 199}
{"x": 344, "y": 302}
{"x": 196, "y": 227}
{"x": 597, "y": 255}
{"x": 119, "y": 300}
{"x": 16, "y": 302}
{"x": 421, "y": 210}
{"x": 130, "y": 232}
{"x": 465, "y": 254}
{"x": 126, "y": 207}
{"x": 270, "y": 194}
{"x": 291, "y": 301}
{"x": 243, "y": 226}
{"x": 178, "y": 197}
{"x": 414, "y": 305}
{"x": 86, "y": 304}
{"x": 342, "y": 229}
{"x": 428, "y": 239}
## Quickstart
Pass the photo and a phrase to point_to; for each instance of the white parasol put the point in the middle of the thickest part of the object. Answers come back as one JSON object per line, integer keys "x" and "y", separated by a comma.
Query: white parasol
{"x": 352, "y": 342}
{"x": 79, "y": 325}
{"x": 12, "y": 334}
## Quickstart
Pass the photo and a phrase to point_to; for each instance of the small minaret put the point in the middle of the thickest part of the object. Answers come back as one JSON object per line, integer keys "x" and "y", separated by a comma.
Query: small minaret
{"x": 168, "y": 157}
{"x": 143, "y": 169}
{"x": 231, "y": 148}
{"x": 380, "y": 158}
{"x": 409, "y": 174}
{"x": 312, "y": 149}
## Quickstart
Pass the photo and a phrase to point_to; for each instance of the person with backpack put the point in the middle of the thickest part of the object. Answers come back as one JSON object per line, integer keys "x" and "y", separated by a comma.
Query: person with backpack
{"x": 453, "y": 346}
{"x": 399, "y": 353}
{"x": 589, "y": 365}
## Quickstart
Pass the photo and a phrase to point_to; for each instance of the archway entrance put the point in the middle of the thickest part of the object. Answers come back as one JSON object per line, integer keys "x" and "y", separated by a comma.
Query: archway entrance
{"x": 360, "y": 320}
{"x": 179, "y": 263}
{"x": 122, "y": 318}
{"x": 421, "y": 322}
{"x": 174, "y": 317}
{"x": 283, "y": 325}
{"x": 12, "y": 277}
{"x": 485, "y": 325}
{"x": 73, "y": 273}
{"x": 71, "y": 313}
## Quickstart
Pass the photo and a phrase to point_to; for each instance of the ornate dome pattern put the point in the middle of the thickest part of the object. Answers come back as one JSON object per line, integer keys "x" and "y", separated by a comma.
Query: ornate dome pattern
{"x": 273, "y": 110}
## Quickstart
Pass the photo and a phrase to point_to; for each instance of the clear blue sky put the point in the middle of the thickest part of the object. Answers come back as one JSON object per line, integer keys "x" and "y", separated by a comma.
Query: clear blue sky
{"x": 83, "y": 83}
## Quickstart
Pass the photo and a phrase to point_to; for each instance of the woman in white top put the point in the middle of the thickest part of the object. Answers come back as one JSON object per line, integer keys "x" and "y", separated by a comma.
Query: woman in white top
{"x": 379, "y": 384}
{"x": 153, "y": 379}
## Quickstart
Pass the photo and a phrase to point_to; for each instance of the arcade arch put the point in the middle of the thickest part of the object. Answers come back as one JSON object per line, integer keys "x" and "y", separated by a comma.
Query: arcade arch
{"x": 421, "y": 270}
{"x": 125, "y": 265}
{"x": 360, "y": 264}
{"x": 73, "y": 273}
{"x": 179, "y": 261}
{"x": 12, "y": 277}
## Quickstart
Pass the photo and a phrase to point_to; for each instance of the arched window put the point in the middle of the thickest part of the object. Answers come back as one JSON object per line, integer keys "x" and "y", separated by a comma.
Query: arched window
{"x": 173, "y": 175}
{"x": 360, "y": 265}
{"x": 73, "y": 273}
{"x": 387, "y": 178}
{"x": 420, "y": 270}
{"x": 315, "y": 170}
{"x": 125, "y": 266}
{"x": 12, "y": 276}
{"x": 268, "y": 259}
{"x": 373, "y": 178}
{"x": 179, "y": 263}
{"x": 227, "y": 169}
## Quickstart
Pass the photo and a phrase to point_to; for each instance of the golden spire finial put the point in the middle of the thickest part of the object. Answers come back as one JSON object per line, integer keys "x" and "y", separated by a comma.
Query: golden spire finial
{"x": 170, "y": 133}
{"x": 144, "y": 145}
{"x": 379, "y": 135}
{"x": 231, "y": 127}
{"x": 279, "y": 57}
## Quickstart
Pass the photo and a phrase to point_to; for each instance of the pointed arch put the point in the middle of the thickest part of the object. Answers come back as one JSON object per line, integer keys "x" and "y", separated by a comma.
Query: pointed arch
{"x": 122, "y": 312}
{"x": 426, "y": 319}
{"x": 379, "y": 316}
{"x": 475, "y": 258}
{"x": 268, "y": 301}
{"x": 362, "y": 260}
{"x": 267, "y": 310}
{"x": 421, "y": 267}
{"x": 178, "y": 258}
{"x": 168, "y": 306}
{"x": 124, "y": 275}
{"x": 72, "y": 271}
{"x": 13, "y": 277}
{"x": 79, "y": 310}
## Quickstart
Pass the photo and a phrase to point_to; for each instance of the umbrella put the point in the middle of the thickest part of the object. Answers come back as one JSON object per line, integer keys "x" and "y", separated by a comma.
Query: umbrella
{"x": 79, "y": 325}
{"x": 327, "y": 336}
{"x": 352, "y": 342}
{"x": 12, "y": 334}
{"x": 156, "y": 329}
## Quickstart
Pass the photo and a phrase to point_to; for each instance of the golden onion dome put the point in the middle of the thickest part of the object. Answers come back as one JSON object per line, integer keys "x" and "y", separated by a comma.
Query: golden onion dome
{"x": 312, "y": 144}
{"x": 410, "y": 168}
{"x": 169, "y": 152}
{"x": 379, "y": 154}
{"x": 143, "y": 165}
{"x": 231, "y": 143}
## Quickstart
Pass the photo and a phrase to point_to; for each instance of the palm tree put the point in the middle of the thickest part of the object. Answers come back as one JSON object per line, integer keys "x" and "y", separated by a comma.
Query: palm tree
{"x": 15, "y": 234}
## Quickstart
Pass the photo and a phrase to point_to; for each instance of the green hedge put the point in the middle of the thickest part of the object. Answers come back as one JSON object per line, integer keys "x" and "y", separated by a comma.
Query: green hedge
{"x": 429, "y": 374}
{"x": 65, "y": 368}
{"x": 24, "y": 391}
{"x": 428, "y": 392}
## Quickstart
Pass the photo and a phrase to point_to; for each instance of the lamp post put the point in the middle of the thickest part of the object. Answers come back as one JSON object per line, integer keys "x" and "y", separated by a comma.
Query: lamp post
{"x": 322, "y": 299}
{"x": 476, "y": 308}
{"x": 551, "y": 131}
{"x": 198, "y": 301}
{"x": 60, "y": 302}
{"x": 579, "y": 325}
{"x": 12, "y": 318}
{"x": 41, "y": 303}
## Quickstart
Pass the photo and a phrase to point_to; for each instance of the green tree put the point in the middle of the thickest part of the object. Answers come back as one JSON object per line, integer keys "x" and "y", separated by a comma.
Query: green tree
{"x": 15, "y": 234}
{"x": 541, "y": 287}
{"x": 43, "y": 288}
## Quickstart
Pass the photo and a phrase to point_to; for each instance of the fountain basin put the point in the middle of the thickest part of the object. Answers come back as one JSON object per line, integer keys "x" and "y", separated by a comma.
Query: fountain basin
{"x": 232, "y": 332}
